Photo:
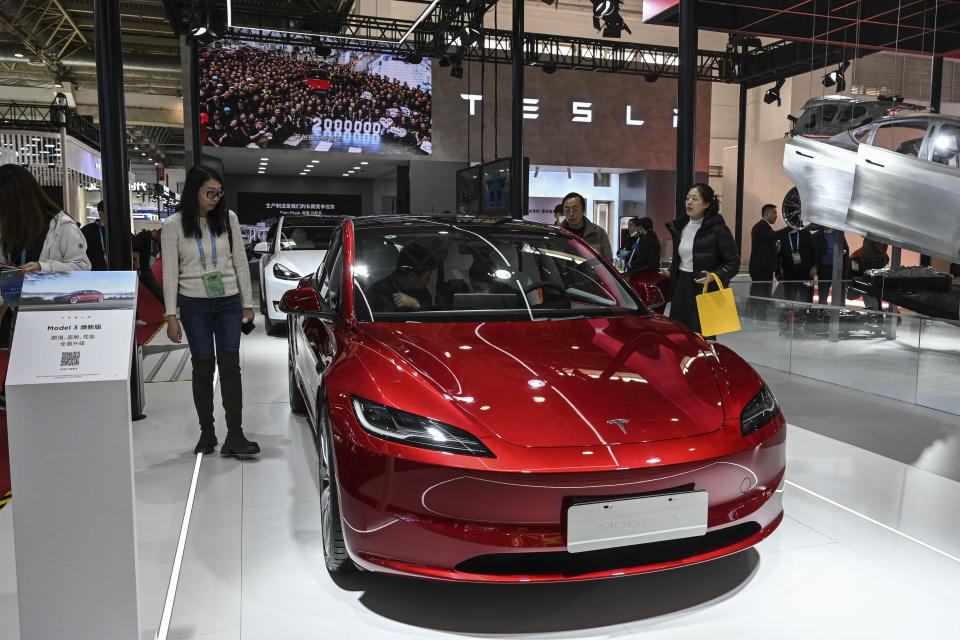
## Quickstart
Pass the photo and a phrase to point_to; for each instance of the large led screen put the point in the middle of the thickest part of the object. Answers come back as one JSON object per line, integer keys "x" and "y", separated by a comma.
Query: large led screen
{"x": 262, "y": 95}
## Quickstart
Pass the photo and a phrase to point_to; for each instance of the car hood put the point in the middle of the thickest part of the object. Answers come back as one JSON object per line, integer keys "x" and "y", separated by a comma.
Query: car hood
{"x": 303, "y": 262}
{"x": 567, "y": 383}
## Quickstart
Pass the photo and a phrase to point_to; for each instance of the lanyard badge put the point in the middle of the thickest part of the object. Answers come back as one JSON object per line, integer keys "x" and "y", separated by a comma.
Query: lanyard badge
{"x": 212, "y": 280}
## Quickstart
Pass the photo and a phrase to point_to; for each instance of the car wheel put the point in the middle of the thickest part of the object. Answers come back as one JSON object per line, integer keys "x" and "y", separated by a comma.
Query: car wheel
{"x": 73, "y": 299}
{"x": 100, "y": 299}
{"x": 263, "y": 302}
{"x": 791, "y": 208}
{"x": 334, "y": 548}
{"x": 272, "y": 327}
{"x": 297, "y": 404}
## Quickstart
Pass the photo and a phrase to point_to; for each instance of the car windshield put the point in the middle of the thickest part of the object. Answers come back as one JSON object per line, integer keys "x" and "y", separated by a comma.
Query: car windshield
{"x": 467, "y": 271}
{"x": 299, "y": 238}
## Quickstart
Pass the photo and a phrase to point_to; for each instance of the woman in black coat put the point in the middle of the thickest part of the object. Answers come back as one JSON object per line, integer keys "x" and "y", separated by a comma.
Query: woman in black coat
{"x": 702, "y": 244}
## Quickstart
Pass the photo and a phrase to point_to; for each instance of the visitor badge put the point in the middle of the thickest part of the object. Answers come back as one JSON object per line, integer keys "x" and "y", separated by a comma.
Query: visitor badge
{"x": 11, "y": 284}
{"x": 153, "y": 260}
{"x": 796, "y": 257}
{"x": 213, "y": 282}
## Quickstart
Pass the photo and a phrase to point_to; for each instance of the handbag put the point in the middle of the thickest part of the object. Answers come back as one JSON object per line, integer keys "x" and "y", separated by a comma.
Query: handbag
{"x": 717, "y": 310}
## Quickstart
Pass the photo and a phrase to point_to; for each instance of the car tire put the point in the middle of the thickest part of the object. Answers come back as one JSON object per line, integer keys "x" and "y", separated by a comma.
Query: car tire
{"x": 272, "y": 327}
{"x": 74, "y": 300}
{"x": 100, "y": 299}
{"x": 334, "y": 548}
{"x": 297, "y": 404}
{"x": 790, "y": 209}
{"x": 263, "y": 301}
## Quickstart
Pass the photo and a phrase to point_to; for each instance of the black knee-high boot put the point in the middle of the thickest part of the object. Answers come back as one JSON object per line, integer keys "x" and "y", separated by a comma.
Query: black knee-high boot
{"x": 231, "y": 391}
{"x": 203, "y": 401}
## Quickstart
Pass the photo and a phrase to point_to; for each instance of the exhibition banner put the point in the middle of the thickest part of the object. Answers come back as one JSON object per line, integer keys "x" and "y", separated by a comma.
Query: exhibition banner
{"x": 260, "y": 95}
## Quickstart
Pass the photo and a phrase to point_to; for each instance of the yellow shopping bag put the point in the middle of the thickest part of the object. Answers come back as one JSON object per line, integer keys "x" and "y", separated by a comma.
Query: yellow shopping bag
{"x": 717, "y": 310}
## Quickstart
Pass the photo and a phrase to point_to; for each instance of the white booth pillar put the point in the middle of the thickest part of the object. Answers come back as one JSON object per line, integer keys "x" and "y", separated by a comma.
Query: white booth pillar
{"x": 68, "y": 412}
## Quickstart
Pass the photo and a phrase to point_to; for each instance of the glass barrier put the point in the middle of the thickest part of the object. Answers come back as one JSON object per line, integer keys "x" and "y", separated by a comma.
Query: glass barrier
{"x": 893, "y": 353}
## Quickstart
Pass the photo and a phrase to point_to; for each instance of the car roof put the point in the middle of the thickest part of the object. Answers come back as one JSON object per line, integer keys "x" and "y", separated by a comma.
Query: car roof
{"x": 917, "y": 116}
{"x": 449, "y": 220}
{"x": 311, "y": 221}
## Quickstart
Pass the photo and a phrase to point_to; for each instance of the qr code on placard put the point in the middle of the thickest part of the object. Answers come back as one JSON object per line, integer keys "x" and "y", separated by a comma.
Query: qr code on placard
{"x": 69, "y": 358}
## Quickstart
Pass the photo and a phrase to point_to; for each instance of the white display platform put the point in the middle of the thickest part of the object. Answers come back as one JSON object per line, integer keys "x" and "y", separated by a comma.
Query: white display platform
{"x": 68, "y": 413}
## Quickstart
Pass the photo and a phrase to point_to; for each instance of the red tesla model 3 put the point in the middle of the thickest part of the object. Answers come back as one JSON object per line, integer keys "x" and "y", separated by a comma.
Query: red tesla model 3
{"x": 493, "y": 403}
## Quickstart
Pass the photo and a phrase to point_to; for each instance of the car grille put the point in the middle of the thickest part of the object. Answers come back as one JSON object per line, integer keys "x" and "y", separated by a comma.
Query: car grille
{"x": 574, "y": 564}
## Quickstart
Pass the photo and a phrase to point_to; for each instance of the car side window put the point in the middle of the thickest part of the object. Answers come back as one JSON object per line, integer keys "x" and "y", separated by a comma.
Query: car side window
{"x": 330, "y": 273}
{"x": 946, "y": 146}
{"x": 901, "y": 137}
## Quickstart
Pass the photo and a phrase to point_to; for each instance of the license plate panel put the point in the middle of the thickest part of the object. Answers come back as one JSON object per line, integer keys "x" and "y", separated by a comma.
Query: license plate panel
{"x": 629, "y": 521}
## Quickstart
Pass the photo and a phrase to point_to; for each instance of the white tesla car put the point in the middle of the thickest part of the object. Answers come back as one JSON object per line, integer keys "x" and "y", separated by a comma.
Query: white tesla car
{"x": 296, "y": 249}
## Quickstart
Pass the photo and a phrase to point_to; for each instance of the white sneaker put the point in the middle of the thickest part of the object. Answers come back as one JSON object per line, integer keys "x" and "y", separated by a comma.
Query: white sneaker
{"x": 141, "y": 323}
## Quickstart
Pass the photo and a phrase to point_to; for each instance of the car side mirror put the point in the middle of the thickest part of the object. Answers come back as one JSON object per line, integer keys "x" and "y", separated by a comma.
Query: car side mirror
{"x": 649, "y": 294}
{"x": 304, "y": 302}
{"x": 262, "y": 248}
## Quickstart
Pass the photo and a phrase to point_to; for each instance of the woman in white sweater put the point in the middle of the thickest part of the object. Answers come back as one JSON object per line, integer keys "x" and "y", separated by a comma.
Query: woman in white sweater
{"x": 35, "y": 235}
{"x": 205, "y": 269}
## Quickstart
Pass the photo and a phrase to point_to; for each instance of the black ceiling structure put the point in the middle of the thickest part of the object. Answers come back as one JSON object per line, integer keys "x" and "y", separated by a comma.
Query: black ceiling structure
{"x": 439, "y": 35}
{"x": 913, "y": 26}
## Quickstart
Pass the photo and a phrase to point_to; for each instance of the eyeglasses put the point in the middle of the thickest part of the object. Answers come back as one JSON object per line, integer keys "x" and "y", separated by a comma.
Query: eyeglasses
{"x": 213, "y": 195}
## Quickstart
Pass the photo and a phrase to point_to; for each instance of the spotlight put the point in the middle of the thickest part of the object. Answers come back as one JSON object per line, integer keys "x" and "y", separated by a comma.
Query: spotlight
{"x": 456, "y": 72}
{"x": 58, "y": 82}
{"x": 469, "y": 37}
{"x": 413, "y": 58}
{"x": 650, "y": 77}
{"x": 549, "y": 68}
{"x": 608, "y": 11}
{"x": 323, "y": 50}
{"x": 444, "y": 62}
{"x": 836, "y": 77}
{"x": 547, "y": 2}
{"x": 773, "y": 94}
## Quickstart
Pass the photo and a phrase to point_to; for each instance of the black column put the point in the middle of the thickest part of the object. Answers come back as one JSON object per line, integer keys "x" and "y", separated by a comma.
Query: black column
{"x": 741, "y": 154}
{"x": 686, "y": 102}
{"x": 113, "y": 134}
{"x": 936, "y": 92}
{"x": 192, "y": 102}
{"x": 518, "y": 208}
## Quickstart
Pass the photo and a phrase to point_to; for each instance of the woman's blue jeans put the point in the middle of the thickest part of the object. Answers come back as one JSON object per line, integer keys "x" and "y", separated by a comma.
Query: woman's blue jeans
{"x": 211, "y": 321}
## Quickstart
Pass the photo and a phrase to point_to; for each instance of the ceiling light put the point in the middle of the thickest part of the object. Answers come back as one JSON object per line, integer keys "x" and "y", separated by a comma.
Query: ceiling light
{"x": 549, "y": 68}
{"x": 346, "y": 175}
{"x": 314, "y": 162}
{"x": 136, "y": 148}
{"x": 836, "y": 77}
{"x": 265, "y": 159}
{"x": 199, "y": 31}
{"x": 143, "y": 154}
{"x": 364, "y": 162}
{"x": 357, "y": 168}
{"x": 18, "y": 55}
{"x": 58, "y": 82}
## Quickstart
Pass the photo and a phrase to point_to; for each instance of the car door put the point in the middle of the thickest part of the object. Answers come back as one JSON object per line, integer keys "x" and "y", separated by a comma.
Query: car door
{"x": 823, "y": 174}
{"x": 318, "y": 344}
{"x": 892, "y": 199}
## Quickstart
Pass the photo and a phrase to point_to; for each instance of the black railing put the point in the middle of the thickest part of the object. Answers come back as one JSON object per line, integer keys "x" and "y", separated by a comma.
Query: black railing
{"x": 40, "y": 117}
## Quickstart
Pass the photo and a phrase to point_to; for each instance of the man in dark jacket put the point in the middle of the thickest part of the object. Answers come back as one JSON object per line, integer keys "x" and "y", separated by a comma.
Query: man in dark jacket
{"x": 574, "y": 213}
{"x": 96, "y": 234}
{"x": 764, "y": 252}
{"x": 798, "y": 263}
{"x": 823, "y": 243}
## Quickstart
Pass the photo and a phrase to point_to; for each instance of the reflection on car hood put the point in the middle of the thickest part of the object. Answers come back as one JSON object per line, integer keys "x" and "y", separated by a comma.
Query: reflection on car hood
{"x": 303, "y": 262}
{"x": 561, "y": 383}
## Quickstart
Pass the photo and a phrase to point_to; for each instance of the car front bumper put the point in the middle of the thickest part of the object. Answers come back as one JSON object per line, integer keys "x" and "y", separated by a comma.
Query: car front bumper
{"x": 446, "y": 523}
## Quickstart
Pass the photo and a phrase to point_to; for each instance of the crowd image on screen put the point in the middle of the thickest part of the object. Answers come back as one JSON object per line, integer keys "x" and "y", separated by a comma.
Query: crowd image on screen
{"x": 250, "y": 96}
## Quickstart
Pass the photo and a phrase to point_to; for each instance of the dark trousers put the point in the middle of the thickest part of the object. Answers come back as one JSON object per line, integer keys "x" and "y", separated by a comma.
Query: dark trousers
{"x": 825, "y": 273}
{"x": 760, "y": 287}
{"x": 683, "y": 300}
{"x": 211, "y": 322}
{"x": 150, "y": 282}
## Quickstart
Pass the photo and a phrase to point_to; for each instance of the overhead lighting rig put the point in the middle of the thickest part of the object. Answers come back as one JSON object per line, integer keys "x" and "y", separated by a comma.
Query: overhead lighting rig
{"x": 607, "y": 12}
{"x": 835, "y": 78}
{"x": 773, "y": 94}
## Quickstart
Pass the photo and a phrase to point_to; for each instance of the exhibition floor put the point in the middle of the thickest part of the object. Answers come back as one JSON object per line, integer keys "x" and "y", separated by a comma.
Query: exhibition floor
{"x": 867, "y": 549}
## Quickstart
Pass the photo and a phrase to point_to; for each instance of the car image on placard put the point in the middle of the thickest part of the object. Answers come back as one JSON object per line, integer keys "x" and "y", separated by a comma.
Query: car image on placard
{"x": 493, "y": 403}
{"x": 85, "y": 295}
{"x": 296, "y": 248}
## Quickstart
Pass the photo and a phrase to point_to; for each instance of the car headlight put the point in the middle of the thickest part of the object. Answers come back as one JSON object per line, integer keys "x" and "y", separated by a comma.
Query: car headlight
{"x": 759, "y": 411}
{"x": 417, "y": 431}
{"x": 280, "y": 271}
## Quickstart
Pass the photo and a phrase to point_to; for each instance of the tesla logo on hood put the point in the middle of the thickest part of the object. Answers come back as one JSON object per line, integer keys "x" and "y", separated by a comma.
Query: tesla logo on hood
{"x": 620, "y": 422}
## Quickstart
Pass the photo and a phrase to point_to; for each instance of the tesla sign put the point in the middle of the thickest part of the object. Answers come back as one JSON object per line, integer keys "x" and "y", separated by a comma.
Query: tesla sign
{"x": 579, "y": 111}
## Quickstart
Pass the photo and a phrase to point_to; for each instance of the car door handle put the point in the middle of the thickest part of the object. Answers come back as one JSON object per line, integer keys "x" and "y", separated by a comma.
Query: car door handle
{"x": 876, "y": 164}
{"x": 805, "y": 155}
